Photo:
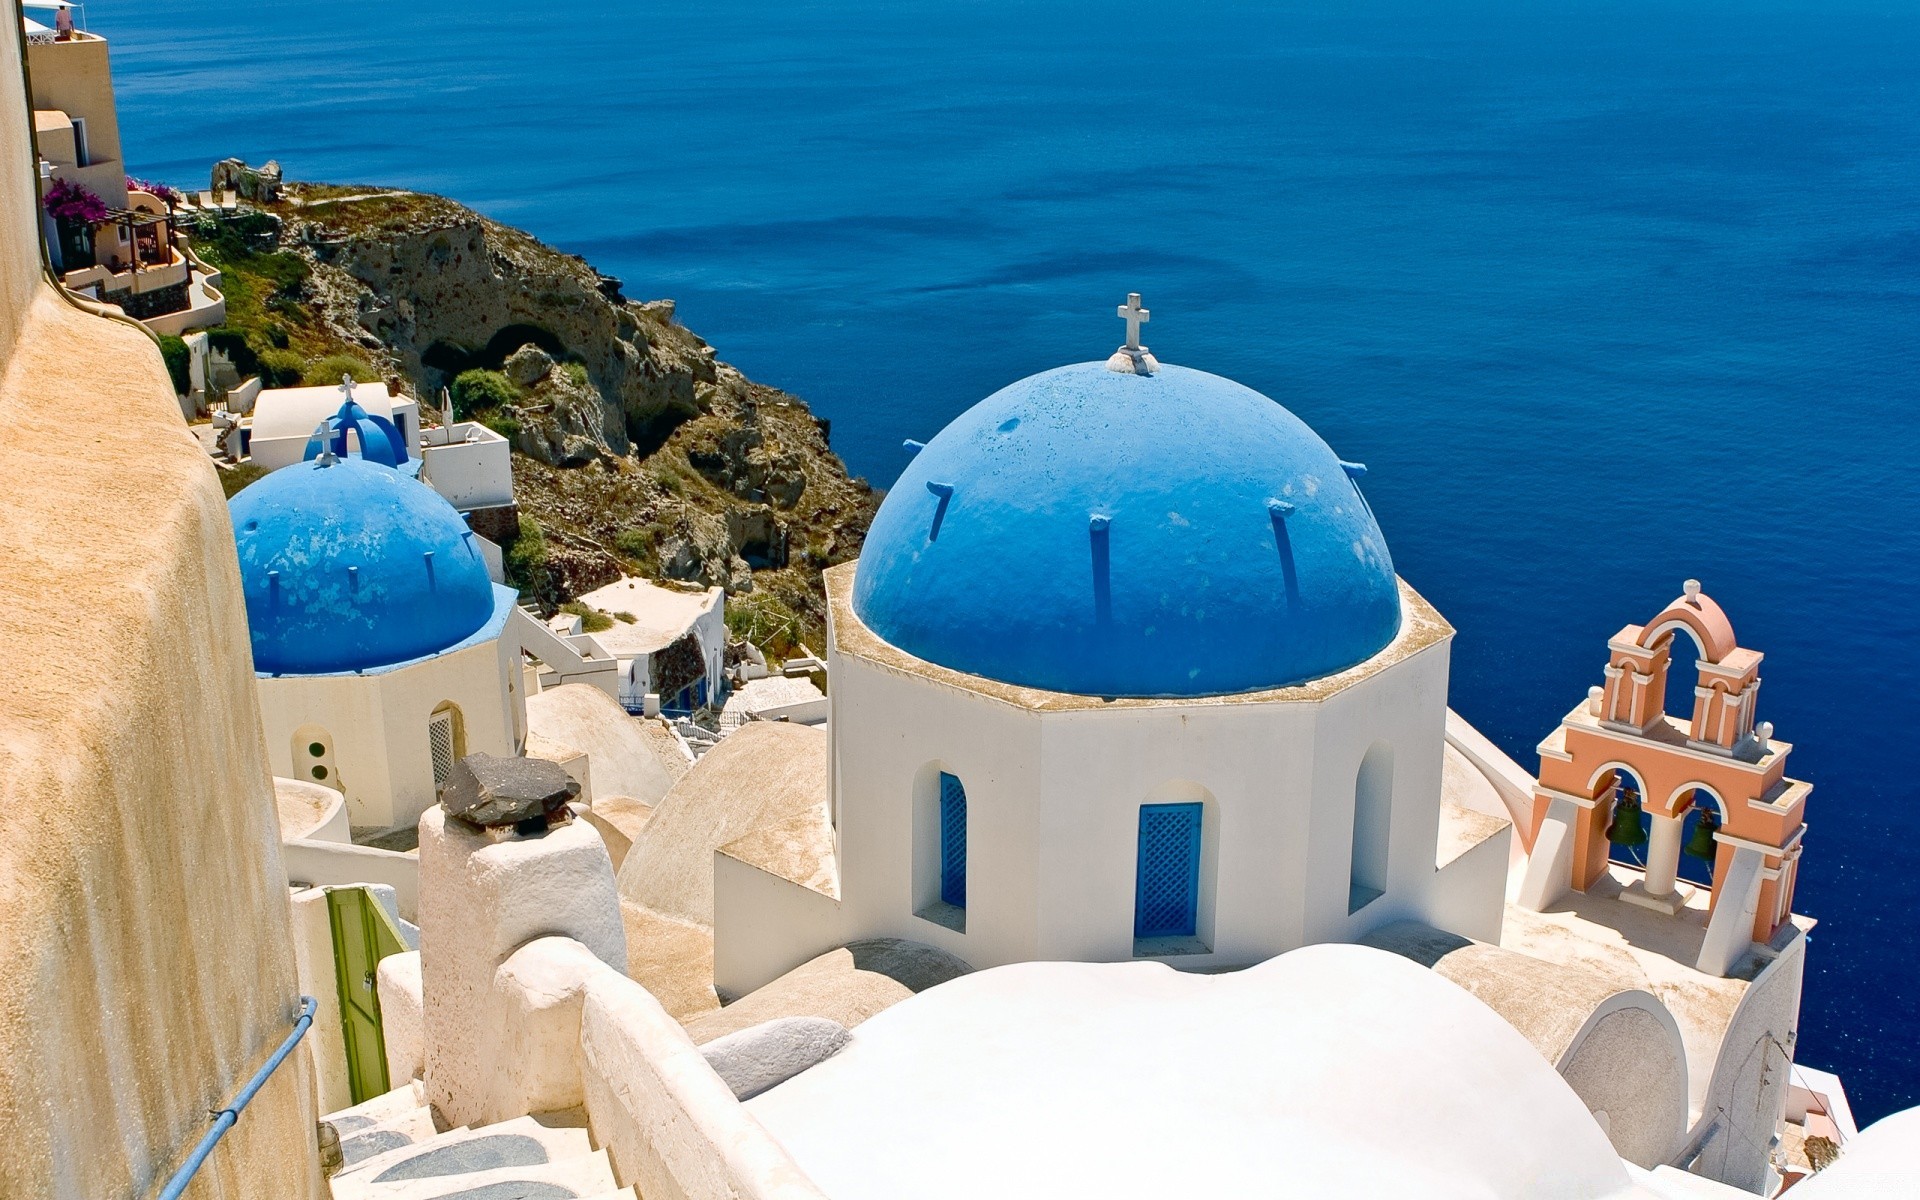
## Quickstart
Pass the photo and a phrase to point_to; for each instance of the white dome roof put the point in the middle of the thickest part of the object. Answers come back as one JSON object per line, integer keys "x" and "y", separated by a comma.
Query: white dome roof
{"x": 1334, "y": 1070}
{"x": 1881, "y": 1162}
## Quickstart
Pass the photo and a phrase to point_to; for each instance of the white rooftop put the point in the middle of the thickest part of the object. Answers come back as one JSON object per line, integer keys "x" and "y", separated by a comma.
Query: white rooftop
{"x": 774, "y": 691}
{"x": 661, "y": 616}
{"x": 294, "y": 412}
{"x": 1334, "y": 1070}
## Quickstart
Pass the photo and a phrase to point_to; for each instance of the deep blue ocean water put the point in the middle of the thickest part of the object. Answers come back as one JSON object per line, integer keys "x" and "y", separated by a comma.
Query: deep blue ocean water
{"x": 1606, "y": 296}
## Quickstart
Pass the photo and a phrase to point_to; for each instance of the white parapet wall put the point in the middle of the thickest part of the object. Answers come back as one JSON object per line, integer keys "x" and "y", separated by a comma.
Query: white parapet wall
{"x": 469, "y": 464}
{"x": 524, "y": 1006}
{"x": 484, "y": 895}
{"x": 670, "y": 1124}
{"x": 313, "y": 862}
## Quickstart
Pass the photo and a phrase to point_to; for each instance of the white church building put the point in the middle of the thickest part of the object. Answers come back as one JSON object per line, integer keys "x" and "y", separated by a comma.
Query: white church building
{"x": 384, "y": 651}
{"x": 1124, "y": 671}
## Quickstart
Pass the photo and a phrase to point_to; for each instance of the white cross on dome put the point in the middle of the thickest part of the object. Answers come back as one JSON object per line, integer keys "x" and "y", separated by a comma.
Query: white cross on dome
{"x": 1133, "y": 358}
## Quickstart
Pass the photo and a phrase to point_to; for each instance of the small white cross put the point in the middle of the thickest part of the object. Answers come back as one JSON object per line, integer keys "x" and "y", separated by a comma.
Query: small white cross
{"x": 1135, "y": 317}
{"x": 324, "y": 433}
{"x": 346, "y": 386}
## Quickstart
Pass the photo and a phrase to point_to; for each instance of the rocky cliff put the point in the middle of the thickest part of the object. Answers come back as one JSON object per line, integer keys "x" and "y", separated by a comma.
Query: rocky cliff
{"x": 637, "y": 450}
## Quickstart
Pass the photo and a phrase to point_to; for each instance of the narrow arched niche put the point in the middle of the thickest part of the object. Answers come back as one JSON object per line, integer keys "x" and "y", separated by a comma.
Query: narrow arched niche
{"x": 1372, "y": 827}
{"x": 940, "y": 827}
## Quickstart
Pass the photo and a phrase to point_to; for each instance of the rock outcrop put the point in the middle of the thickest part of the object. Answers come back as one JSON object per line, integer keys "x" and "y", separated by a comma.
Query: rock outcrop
{"x": 638, "y": 451}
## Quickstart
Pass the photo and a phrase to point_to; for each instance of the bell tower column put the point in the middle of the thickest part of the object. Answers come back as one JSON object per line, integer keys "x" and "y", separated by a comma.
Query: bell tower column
{"x": 1663, "y": 854}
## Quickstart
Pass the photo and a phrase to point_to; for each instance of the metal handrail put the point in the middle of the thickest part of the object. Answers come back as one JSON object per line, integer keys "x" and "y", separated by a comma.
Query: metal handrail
{"x": 226, "y": 1117}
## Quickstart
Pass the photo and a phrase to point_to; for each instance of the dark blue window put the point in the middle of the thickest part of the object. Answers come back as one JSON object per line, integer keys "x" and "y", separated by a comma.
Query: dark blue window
{"x": 953, "y": 841}
{"x": 1166, "y": 895}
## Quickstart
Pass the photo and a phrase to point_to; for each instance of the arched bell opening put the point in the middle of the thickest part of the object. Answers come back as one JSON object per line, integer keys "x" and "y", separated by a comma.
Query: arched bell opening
{"x": 1700, "y": 820}
{"x": 1685, "y": 653}
{"x": 1628, "y": 828}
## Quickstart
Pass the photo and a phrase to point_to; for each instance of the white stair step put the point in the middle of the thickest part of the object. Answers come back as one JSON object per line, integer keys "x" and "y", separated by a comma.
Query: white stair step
{"x": 523, "y": 1141}
{"x": 588, "y": 1175}
{"x": 398, "y": 1102}
{"x": 530, "y": 1139}
{"x": 411, "y": 1128}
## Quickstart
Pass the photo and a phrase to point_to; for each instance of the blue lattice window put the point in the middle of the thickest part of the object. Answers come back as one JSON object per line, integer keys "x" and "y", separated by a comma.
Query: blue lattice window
{"x": 953, "y": 841}
{"x": 1166, "y": 897}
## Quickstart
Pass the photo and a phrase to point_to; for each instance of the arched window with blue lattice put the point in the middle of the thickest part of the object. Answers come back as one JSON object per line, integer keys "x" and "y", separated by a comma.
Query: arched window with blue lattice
{"x": 953, "y": 841}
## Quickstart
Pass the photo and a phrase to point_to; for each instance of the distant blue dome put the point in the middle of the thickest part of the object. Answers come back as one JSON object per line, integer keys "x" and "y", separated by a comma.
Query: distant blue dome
{"x": 353, "y": 566}
{"x": 376, "y": 439}
{"x": 1090, "y": 531}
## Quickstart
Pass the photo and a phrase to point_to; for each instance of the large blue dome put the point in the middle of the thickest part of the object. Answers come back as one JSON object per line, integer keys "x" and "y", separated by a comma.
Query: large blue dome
{"x": 1092, "y": 531}
{"x": 351, "y": 566}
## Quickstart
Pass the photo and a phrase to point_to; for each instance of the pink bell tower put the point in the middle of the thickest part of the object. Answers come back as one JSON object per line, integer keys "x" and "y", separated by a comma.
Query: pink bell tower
{"x": 1622, "y": 745}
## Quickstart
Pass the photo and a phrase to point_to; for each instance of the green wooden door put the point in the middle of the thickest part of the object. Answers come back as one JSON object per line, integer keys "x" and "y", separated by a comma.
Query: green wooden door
{"x": 363, "y": 934}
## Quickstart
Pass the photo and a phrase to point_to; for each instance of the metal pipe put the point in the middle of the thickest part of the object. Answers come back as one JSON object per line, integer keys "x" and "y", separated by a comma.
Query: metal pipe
{"x": 226, "y": 1117}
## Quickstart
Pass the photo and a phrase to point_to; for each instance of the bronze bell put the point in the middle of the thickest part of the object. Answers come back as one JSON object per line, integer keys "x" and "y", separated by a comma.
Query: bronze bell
{"x": 1700, "y": 843}
{"x": 1626, "y": 831}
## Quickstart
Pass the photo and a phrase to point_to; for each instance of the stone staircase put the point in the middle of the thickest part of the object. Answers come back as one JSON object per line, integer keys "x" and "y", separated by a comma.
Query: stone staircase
{"x": 393, "y": 1150}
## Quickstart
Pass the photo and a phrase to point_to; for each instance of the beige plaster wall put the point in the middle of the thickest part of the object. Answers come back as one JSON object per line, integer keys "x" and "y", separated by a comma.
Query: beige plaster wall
{"x": 144, "y": 922}
{"x": 77, "y": 78}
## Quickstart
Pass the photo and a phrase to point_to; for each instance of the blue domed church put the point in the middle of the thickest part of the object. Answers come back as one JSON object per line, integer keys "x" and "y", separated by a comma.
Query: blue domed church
{"x": 379, "y": 638}
{"x": 1125, "y": 671}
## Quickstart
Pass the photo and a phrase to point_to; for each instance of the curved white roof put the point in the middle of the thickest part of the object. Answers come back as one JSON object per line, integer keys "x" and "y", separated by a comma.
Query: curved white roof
{"x": 1334, "y": 1070}
{"x": 1881, "y": 1162}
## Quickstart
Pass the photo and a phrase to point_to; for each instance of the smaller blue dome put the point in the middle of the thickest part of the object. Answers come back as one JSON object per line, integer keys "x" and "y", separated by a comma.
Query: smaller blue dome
{"x": 350, "y": 566}
{"x": 378, "y": 440}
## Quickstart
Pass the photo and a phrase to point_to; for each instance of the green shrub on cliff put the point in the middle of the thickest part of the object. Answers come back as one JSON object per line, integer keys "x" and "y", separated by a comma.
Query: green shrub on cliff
{"x": 526, "y": 555}
{"x": 233, "y": 343}
{"x": 766, "y": 621}
{"x": 592, "y": 620}
{"x": 282, "y": 368}
{"x": 328, "y": 370}
{"x": 178, "y": 358}
{"x": 642, "y": 545}
{"x": 476, "y": 390}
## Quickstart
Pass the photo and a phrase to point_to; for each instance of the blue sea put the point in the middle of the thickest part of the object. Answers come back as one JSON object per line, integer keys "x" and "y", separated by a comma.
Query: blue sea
{"x": 1606, "y": 295}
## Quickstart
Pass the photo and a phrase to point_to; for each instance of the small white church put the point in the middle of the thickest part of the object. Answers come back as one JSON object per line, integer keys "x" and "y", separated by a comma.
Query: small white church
{"x": 381, "y": 644}
{"x": 1124, "y": 671}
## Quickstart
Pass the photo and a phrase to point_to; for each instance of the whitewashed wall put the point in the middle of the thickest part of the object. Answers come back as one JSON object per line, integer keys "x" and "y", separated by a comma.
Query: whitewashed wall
{"x": 1053, "y": 813}
{"x": 378, "y": 725}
